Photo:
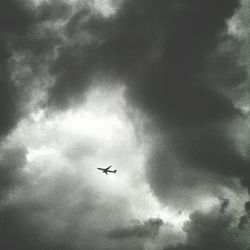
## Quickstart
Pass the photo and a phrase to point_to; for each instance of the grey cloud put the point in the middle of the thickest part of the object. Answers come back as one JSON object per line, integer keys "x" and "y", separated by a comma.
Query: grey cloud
{"x": 212, "y": 230}
{"x": 12, "y": 162}
{"x": 247, "y": 207}
{"x": 54, "y": 10}
{"x": 14, "y": 20}
{"x": 179, "y": 64}
{"x": 16, "y": 16}
{"x": 224, "y": 205}
{"x": 58, "y": 212}
{"x": 148, "y": 229}
{"x": 165, "y": 57}
{"x": 126, "y": 51}
{"x": 244, "y": 219}
{"x": 19, "y": 22}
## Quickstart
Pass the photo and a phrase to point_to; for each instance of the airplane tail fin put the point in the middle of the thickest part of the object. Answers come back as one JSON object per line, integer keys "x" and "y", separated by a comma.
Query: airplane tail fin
{"x": 115, "y": 171}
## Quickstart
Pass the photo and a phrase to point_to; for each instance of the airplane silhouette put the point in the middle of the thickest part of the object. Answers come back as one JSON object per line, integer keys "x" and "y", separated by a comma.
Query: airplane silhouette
{"x": 106, "y": 170}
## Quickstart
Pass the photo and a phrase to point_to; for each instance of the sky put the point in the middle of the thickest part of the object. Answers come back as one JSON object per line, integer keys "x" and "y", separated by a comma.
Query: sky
{"x": 157, "y": 89}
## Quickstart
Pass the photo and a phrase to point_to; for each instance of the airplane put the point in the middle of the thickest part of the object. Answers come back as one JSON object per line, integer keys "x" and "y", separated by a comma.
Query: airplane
{"x": 106, "y": 170}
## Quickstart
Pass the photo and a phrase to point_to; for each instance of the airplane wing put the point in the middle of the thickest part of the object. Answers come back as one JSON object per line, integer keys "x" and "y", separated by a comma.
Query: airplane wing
{"x": 108, "y": 167}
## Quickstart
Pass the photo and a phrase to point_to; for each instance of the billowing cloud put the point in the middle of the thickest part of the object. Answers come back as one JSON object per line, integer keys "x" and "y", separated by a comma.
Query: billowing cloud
{"x": 178, "y": 71}
{"x": 15, "y": 20}
{"x": 212, "y": 230}
{"x": 25, "y": 43}
{"x": 55, "y": 198}
{"x": 158, "y": 90}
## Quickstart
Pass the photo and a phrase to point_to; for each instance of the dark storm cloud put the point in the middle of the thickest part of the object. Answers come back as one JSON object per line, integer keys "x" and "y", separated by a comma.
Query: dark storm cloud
{"x": 19, "y": 22}
{"x": 54, "y": 10}
{"x": 148, "y": 229}
{"x": 247, "y": 207}
{"x": 224, "y": 205}
{"x": 15, "y": 19}
{"x": 22, "y": 224}
{"x": 161, "y": 48}
{"x": 178, "y": 64}
{"x": 20, "y": 230}
{"x": 12, "y": 162}
{"x": 212, "y": 230}
{"x": 244, "y": 219}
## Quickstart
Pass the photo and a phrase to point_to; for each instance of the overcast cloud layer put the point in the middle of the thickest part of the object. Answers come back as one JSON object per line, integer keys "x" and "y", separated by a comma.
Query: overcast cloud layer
{"x": 159, "y": 89}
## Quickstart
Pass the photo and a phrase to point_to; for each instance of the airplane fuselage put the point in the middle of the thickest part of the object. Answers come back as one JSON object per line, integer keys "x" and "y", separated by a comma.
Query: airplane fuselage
{"x": 106, "y": 170}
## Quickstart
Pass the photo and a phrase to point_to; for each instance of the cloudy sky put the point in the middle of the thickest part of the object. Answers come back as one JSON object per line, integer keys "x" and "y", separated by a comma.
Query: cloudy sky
{"x": 158, "y": 89}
